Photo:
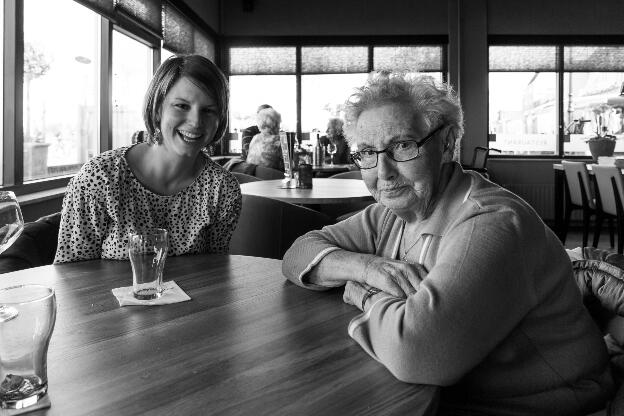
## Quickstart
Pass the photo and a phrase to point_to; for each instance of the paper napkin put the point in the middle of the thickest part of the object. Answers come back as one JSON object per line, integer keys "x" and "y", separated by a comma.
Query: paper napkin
{"x": 171, "y": 294}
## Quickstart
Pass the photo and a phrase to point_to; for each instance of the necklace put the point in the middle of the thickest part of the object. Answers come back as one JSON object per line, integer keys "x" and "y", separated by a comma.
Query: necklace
{"x": 406, "y": 250}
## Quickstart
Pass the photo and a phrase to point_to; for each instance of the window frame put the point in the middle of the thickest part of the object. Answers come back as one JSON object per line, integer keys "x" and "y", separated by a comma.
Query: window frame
{"x": 559, "y": 42}
{"x": 13, "y": 51}
{"x": 300, "y": 42}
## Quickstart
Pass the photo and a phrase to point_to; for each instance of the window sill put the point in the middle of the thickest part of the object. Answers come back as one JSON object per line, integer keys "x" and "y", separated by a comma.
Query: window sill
{"x": 40, "y": 196}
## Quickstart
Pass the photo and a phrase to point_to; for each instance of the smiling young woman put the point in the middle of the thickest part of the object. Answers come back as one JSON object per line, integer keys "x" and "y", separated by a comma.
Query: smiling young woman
{"x": 167, "y": 182}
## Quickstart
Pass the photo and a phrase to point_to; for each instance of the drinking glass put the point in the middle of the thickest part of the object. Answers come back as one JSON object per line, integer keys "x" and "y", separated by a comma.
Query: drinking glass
{"x": 147, "y": 251}
{"x": 11, "y": 220}
{"x": 332, "y": 149}
{"x": 27, "y": 317}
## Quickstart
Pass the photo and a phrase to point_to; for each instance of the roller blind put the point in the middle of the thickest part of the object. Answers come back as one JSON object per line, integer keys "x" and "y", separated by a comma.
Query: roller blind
{"x": 602, "y": 58}
{"x": 408, "y": 58}
{"x": 178, "y": 36}
{"x": 334, "y": 59}
{"x": 262, "y": 60}
{"x": 105, "y": 8}
{"x": 523, "y": 58}
{"x": 145, "y": 12}
{"x": 203, "y": 45}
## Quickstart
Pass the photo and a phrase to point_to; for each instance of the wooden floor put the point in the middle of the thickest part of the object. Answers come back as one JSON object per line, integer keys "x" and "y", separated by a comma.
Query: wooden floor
{"x": 575, "y": 239}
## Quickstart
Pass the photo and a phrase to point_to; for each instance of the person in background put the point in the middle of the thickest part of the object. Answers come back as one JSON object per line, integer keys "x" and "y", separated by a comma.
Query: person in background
{"x": 335, "y": 135}
{"x": 165, "y": 182}
{"x": 265, "y": 148}
{"x": 249, "y": 133}
{"x": 460, "y": 283}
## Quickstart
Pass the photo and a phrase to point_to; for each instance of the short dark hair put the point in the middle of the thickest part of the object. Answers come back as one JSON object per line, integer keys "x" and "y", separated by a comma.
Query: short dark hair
{"x": 205, "y": 74}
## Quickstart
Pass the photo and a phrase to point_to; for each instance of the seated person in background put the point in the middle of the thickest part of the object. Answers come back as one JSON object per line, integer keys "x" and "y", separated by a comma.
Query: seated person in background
{"x": 165, "y": 182}
{"x": 335, "y": 135}
{"x": 460, "y": 282}
{"x": 265, "y": 148}
{"x": 250, "y": 132}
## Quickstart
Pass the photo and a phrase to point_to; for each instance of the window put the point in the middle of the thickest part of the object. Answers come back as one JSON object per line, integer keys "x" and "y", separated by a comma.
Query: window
{"x": 129, "y": 85}
{"x": 316, "y": 88}
{"x": 61, "y": 89}
{"x": 543, "y": 98}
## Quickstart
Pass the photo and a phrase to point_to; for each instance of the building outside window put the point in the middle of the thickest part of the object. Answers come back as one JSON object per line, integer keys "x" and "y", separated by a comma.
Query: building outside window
{"x": 61, "y": 88}
{"x": 129, "y": 85}
{"x": 543, "y": 98}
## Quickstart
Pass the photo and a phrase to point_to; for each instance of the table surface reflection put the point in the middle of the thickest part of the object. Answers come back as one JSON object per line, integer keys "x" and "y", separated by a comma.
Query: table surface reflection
{"x": 248, "y": 342}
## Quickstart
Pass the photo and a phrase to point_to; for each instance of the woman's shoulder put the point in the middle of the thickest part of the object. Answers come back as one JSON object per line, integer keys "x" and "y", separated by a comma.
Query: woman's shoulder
{"x": 102, "y": 167}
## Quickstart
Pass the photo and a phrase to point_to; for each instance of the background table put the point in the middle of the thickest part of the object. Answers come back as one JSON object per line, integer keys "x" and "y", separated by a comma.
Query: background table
{"x": 324, "y": 191}
{"x": 248, "y": 343}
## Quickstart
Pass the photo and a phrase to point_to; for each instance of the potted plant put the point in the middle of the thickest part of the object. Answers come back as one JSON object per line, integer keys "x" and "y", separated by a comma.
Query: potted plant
{"x": 603, "y": 143}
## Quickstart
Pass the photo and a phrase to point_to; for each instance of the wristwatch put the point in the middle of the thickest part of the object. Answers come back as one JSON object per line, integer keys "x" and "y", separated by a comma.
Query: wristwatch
{"x": 370, "y": 292}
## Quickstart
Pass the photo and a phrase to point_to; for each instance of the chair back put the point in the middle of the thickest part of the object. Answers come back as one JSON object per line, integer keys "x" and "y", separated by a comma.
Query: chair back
{"x": 479, "y": 157}
{"x": 244, "y": 178}
{"x": 36, "y": 246}
{"x": 268, "y": 227}
{"x": 352, "y": 174}
{"x": 579, "y": 189}
{"x": 610, "y": 187}
{"x": 265, "y": 173}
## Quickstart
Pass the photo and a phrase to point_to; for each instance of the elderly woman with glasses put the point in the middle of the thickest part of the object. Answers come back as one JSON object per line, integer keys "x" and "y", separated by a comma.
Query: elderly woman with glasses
{"x": 460, "y": 282}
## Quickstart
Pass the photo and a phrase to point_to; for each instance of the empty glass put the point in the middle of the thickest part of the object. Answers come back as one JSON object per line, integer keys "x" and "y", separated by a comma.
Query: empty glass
{"x": 11, "y": 221}
{"x": 27, "y": 317}
{"x": 148, "y": 251}
{"x": 332, "y": 149}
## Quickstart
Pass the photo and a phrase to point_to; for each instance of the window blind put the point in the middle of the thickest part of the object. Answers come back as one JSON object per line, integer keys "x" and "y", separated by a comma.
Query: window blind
{"x": 604, "y": 58}
{"x": 203, "y": 45}
{"x": 408, "y": 58}
{"x": 145, "y": 12}
{"x": 530, "y": 58}
{"x": 178, "y": 36}
{"x": 334, "y": 59}
{"x": 262, "y": 61}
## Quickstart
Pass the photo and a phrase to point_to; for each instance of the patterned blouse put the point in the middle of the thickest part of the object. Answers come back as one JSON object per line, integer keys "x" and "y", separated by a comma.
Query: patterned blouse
{"x": 104, "y": 202}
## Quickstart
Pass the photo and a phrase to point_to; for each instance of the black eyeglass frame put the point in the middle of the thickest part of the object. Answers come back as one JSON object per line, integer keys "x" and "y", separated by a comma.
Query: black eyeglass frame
{"x": 355, "y": 156}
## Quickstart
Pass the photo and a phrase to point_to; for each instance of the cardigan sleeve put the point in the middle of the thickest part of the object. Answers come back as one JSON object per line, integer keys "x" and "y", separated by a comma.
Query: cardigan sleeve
{"x": 478, "y": 289}
{"x": 359, "y": 234}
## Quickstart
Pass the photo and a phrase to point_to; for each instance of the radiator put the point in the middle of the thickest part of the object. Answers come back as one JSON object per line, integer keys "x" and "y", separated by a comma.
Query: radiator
{"x": 540, "y": 196}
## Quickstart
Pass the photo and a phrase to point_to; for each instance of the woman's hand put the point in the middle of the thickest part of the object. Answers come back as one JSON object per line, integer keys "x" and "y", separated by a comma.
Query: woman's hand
{"x": 397, "y": 278}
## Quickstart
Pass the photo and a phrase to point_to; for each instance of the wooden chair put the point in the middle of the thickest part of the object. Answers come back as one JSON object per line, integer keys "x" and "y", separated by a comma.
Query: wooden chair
{"x": 581, "y": 197}
{"x": 268, "y": 227}
{"x": 36, "y": 246}
{"x": 611, "y": 191}
{"x": 244, "y": 178}
{"x": 480, "y": 159}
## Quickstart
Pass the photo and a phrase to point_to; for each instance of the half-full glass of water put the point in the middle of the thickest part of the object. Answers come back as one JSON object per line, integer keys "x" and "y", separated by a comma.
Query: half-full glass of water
{"x": 27, "y": 317}
{"x": 11, "y": 221}
{"x": 147, "y": 250}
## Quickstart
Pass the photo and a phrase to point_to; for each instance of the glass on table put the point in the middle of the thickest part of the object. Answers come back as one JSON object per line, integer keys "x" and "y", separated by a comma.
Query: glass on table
{"x": 11, "y": 220}
{"x": 27, "y": 317}
{"x": 147, "y": 250}
{"x": 332, "y": 149}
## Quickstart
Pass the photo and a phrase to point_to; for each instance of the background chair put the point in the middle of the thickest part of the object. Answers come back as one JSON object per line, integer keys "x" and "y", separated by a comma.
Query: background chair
{"x": 244, "y": 178}
{"x": 581, "y": 197}
{"x": 480, "y": 159}
{"x": 268, "y": 227}
{"x": 611, "y": 191}
{"x": 36, "y": 246}
{"x": 352, "y": 174}
{"x": 265, "y": 173}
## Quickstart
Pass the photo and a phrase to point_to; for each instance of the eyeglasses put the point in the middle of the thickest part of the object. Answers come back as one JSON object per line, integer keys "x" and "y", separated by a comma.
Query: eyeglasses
{"x": 399, "y": 152}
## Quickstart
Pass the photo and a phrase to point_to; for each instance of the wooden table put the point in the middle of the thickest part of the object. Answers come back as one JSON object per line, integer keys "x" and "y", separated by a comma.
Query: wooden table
{"x": 324, "y": 191}
{"x": 248, "y": 343}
